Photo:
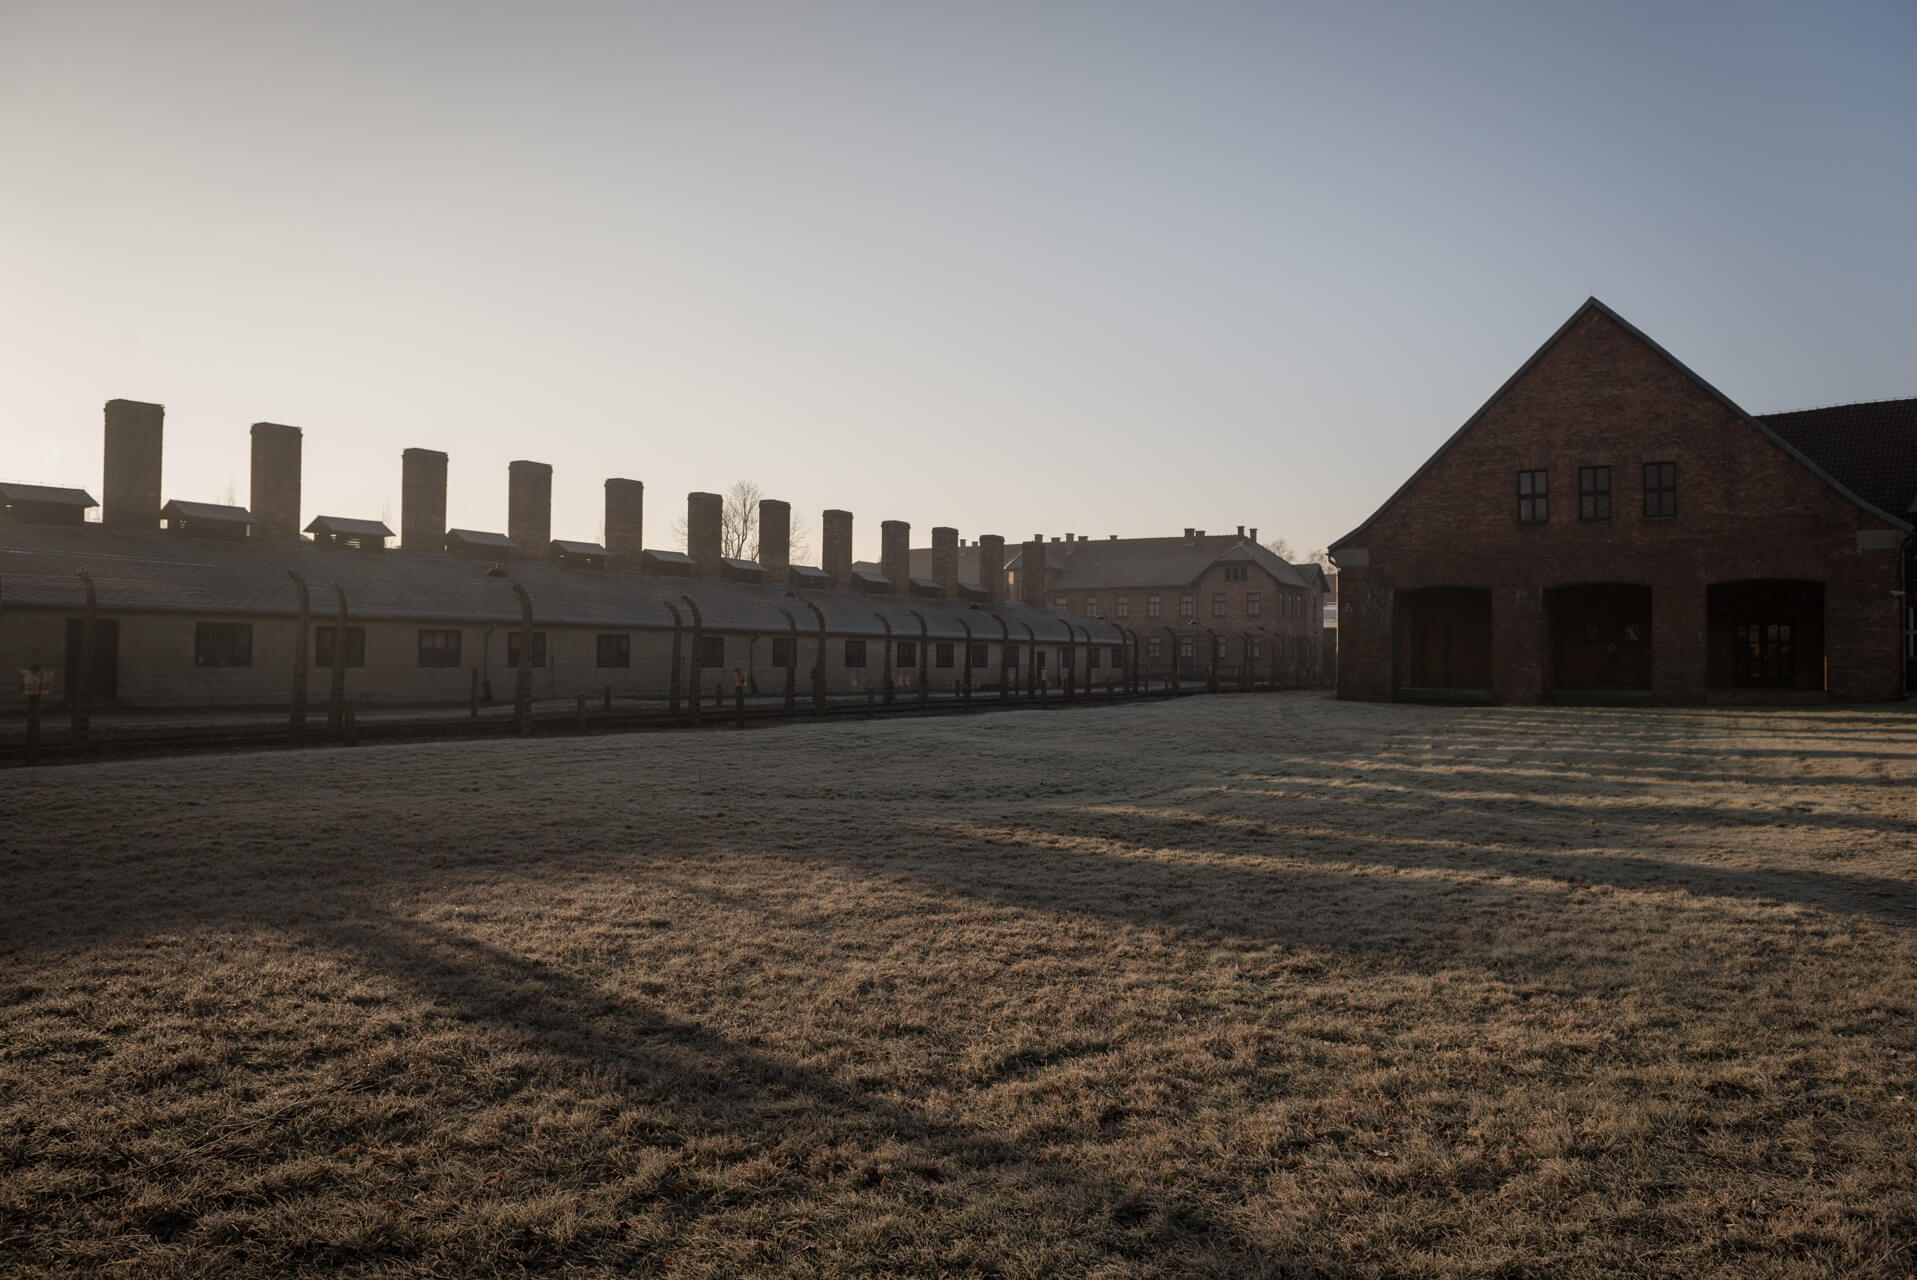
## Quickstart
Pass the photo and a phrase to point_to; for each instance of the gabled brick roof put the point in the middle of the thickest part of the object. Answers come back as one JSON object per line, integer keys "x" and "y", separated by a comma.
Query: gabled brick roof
{"x": 1870, "y": 448}
{"x": 1091, "y": 564}
{"x": 1763, "y": 426}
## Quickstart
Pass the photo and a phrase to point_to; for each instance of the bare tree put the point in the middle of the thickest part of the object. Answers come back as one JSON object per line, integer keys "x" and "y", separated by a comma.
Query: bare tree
{"x": 1280, "y": 548}
{"x": 739, "y": 526}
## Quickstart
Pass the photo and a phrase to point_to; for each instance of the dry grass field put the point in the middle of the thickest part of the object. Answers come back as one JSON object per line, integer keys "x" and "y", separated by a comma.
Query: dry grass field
{"x": 1241, "y": 986}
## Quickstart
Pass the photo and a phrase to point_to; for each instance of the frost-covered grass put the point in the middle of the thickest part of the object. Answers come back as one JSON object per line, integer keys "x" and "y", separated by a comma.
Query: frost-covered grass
{"x": 1265, "y": 985}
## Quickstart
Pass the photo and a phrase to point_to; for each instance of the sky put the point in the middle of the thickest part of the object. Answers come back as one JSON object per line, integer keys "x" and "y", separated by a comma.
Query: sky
{"x": 1017, "y": 268}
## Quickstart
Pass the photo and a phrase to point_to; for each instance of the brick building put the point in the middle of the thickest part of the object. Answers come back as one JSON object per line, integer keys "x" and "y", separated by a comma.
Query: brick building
{"x": 1217, "y": 606}
{"x": 1609, "y": 525}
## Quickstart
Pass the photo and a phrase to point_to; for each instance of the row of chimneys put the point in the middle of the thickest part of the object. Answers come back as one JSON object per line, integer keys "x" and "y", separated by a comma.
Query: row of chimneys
{"x": 130, "y": 498}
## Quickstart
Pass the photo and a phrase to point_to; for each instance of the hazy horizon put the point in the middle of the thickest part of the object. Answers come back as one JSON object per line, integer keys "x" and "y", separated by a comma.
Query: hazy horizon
{"x": 1111, "y": 269}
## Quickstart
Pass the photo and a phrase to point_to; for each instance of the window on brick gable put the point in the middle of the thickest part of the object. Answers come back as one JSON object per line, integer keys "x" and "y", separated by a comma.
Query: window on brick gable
{"x": 1217, "y": 604}
{"x": 1252, "y": 604}
{"x": 1533, "y": 507}
{"x": 1152, "y": 609}
{"x": 1594, "y": 493}
{"x": 1122, "y": 607}
{"x": 1660, "y": 489}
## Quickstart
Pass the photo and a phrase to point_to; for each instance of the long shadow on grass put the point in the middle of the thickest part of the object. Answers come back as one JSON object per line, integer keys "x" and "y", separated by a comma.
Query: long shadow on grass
{"x": 829, "y": 1137}
{"x": 1079, "y": 844}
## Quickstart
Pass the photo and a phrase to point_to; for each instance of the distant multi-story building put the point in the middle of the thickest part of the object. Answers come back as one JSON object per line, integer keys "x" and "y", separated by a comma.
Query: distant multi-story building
{"x": 1211, "y": 605}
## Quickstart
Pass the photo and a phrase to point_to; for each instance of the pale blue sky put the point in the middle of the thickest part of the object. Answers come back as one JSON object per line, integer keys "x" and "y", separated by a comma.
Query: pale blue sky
{"x": 1103, "y": 267}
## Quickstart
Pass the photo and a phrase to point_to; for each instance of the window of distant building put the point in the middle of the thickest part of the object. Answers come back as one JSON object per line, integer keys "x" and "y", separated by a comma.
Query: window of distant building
{"x": 1010, "y": 655}
{"x": 855, "y": 653}
{"x": 1091, "y": 606}
{"x": 1152, "y": 609}
{"x": 980, "y": 654}
{"x": 323, "y": 646}
{"x": 1660, "y": 488}
{"x": 1533, "y": 507}
{"x": 1091, "y": 657}
{"x": 943, "y": 655}
{"x": 222, "y": 644}
{"x": 1252, "y": 604}
{"x": 1217, "y": 647}
{"x": 783, "y": 652}
{"x": 1185, "y": 647}
{"x": 538, "y": 649}
{"x": 438, "y": 648}
{"x": 1062, "y": 605}
{"x": 1253, "y": 647}
{"x": 1118, "y": 657}
{"x": 1217, "y": 604}
{"x": 908, "y": 653}
{"x": 1186, "y": 604}
{"x": 1594, "y": 493}
{"x": 1122, "y": 607}
{"x": 1064, "y": 659}
{"x": 1237, "y": 573}
{"x": 1154, "y": 648}
{"x": 615, "y": 651}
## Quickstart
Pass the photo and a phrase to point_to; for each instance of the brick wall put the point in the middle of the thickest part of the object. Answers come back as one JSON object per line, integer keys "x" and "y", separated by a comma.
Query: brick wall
{"x": 1601, "y": 396}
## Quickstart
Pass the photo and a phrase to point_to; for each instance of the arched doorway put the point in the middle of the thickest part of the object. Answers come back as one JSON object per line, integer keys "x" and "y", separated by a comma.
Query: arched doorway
{"x": 1443, "y": 641}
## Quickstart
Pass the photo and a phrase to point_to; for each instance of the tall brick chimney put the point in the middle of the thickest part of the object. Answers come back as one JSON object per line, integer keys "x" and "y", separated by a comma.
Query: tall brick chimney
{"x": 705, "y": 531}
{"x": 945, "y": 558}
{"x": 895, "y": 554}
{"x": 130, "y": 479}
{"x": 1031, "y": 572}
{"x": 625, "y": 521}
{"x": 775, "y": 536}
{"x": 836, "y": 553}
{"x": 529, "y": 507}
{"x": 991, "y": 565}
{"x": 422, "y": 500}
{"x": 274, "y": 496}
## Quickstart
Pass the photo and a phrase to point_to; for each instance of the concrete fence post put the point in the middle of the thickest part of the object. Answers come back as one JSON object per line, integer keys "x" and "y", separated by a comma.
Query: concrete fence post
{"x": 925, "y": 657}
{"x": 522, "y": 677}
{"x": 296, "y": 715}
{"x": 965, "y": 672}
{"x": 791, "y": 662}
{"x": 336, "y": 692}
{"x": 678, "y": 656}
{"x": 80, "y": 699}
{"x": 1172, "y": 634}
{"x": 888, "y": 656}
{"x": 698, "y": 633}
{"x": 818, "y": 665}
{"x": 1032, "y": 689}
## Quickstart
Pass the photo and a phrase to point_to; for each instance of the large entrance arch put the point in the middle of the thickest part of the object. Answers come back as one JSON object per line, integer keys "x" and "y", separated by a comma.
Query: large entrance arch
{"x": 1443, "y": 641}
{"x": 1600, "y": 638}
{"x": 1766, "y": 634}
